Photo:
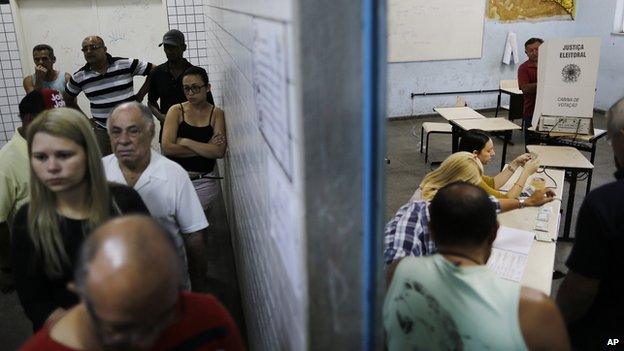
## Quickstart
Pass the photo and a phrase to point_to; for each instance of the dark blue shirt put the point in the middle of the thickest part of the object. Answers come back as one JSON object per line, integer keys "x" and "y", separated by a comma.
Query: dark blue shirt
{"x": 597, "y": 255}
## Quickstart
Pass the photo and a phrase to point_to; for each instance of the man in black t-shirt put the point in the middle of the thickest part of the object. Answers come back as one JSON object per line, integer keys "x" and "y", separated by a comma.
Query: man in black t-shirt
{"x": 592, "y": 295}
{"x": 166, "y": 79}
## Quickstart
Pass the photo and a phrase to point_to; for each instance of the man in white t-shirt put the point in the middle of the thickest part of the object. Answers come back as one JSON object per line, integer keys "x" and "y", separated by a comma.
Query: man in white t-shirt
{"x": 163, "y": 185}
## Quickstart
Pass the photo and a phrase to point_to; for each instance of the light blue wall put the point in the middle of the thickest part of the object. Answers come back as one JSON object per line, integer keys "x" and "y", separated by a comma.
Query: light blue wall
{"x": 593, "y": 19}
{"x": 597, "y": 21}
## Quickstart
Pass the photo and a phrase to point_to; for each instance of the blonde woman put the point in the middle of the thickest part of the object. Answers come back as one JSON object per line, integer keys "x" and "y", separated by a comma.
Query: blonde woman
{"x": 69, "y": 196}
{"x": 407, "y": 233}
{"x": 460, "y": 166}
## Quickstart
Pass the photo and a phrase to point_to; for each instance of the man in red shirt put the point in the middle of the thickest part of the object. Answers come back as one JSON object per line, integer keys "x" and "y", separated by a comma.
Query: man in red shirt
{"x": 128, "y": 280}
{"x": 527, "y": 79}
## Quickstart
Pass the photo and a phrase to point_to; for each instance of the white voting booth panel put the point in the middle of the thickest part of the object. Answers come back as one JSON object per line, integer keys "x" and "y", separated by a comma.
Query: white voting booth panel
{"x": 566, "y": 84}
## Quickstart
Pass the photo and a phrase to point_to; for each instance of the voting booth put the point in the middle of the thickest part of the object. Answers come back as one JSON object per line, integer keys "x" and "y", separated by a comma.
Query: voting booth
{"x": 566, "y": 85}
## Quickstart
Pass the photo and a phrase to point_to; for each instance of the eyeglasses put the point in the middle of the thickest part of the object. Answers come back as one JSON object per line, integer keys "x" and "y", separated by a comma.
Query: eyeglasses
{"x": 91, "y": 47}
{"x": 192, "y": 89}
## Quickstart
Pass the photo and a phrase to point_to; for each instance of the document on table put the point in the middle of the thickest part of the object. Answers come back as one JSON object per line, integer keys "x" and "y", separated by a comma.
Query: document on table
{"x": 510, "y": 252}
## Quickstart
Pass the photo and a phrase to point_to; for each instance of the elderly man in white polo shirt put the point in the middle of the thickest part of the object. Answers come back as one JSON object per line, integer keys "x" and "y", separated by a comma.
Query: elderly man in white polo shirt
{"x": 163, "y": 185}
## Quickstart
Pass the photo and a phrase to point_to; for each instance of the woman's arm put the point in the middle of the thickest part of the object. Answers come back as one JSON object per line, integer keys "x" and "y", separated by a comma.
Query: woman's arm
{"x": 528, "y": 169}
{"x": 170, "y": 147}
{"x": 215, "y": 148}
{"x": 502, "y": 178}
{"x": 538, "y": 198}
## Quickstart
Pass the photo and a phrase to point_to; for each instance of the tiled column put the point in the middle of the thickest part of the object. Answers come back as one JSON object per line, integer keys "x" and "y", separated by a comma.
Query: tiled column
{"x": 11, "y": 90}
{"x": 188, "y": 17}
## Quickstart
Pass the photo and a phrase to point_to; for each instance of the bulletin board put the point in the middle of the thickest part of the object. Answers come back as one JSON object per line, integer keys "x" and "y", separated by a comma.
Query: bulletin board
{"x": 425, "y": 30}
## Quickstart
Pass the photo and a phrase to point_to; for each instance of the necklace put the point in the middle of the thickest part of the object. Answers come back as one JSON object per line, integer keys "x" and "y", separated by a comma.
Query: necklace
{"x": 461, "y": 255}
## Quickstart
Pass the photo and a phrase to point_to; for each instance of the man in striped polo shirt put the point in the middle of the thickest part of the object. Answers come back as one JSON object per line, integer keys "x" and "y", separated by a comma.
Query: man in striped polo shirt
{"x": 107, "y": 82}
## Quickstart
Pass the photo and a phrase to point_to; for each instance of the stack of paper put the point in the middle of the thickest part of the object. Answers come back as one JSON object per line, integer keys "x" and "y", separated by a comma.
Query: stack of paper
{"x": 510, "y": 252}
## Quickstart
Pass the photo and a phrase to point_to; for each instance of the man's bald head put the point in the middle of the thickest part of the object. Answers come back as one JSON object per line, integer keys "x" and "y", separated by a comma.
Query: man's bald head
{"x": 94, "y": 39}
{"x": 130, "y": 250}
{"x": 128, "y": 277}
{"x": 94, "y": 51}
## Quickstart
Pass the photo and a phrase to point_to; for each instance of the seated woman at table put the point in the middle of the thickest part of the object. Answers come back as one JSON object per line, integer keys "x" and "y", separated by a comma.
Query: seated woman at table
{"x": 407, "y": 233}
{"x": 69, "y": 196}
{"x": 480, "y": 144}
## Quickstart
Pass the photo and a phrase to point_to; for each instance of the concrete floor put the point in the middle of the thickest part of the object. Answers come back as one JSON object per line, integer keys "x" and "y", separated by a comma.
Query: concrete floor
{"x": 407, "y": 168}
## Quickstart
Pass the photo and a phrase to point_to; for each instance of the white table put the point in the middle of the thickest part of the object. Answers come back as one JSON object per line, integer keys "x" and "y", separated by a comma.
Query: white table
{"x": 452, "y": 113}
{"x": 569, "y": 159}
{"x": 541, "y": 260}
{"x": 587, "y": 143}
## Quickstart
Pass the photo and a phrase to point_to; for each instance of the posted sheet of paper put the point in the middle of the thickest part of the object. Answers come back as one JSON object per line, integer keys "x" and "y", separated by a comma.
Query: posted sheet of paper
{"x": 270, "y": 82}
{"x": 283, "y": 215}
{"x": 510, "y": 252}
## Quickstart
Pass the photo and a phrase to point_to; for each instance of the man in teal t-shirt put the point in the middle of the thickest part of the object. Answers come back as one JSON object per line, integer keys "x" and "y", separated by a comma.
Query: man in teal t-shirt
{"x": 452, "y": 301}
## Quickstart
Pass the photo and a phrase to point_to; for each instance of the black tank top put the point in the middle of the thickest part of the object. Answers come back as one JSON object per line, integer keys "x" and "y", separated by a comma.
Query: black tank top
{"x": 199, "y": 134}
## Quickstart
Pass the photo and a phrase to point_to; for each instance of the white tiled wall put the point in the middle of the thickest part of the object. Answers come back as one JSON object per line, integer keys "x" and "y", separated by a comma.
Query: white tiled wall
{"x": 188, "y": 17}
{"x": 274, "y": 314}
{"x": 11, "y": 90}
{"x": 219, "y": 38}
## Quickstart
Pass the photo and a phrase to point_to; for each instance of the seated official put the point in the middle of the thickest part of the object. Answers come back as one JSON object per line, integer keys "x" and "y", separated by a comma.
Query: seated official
{"x": 407, "y": 233}
{"x": 129, "y": 283}
{"x": 481, "y": 145}
{"x": 452, "y": 301}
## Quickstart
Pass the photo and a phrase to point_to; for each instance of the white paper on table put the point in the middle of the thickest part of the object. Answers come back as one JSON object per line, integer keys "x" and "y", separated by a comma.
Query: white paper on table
{"x": 510, "y": 252}
{"x": 515, "y": 240}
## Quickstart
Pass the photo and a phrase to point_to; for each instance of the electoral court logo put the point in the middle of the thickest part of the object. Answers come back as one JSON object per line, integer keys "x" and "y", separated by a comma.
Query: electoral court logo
{"x": 570, "y": 73}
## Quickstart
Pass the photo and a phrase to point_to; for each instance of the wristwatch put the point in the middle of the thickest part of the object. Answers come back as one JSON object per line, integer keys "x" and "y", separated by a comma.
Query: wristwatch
{"x": 521, "y": 203}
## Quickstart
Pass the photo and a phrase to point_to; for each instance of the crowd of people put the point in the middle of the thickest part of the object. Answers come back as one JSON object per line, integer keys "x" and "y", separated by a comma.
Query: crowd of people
{"x": 102, "y": 237}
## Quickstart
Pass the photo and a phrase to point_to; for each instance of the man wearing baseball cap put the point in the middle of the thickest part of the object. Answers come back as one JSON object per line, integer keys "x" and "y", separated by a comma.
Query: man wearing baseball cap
{"x": 166, "y": 79}
{"x": 14, "y": 173}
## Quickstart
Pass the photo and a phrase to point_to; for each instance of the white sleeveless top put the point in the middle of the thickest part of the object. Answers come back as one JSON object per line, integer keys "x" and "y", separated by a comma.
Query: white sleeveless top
{"x": 58, "y": 84}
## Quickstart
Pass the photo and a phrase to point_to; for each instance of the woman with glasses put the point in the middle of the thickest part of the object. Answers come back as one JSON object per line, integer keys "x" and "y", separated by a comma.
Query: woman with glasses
{"x": 194, "y": 135}
{"x": 69, "y": 196}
